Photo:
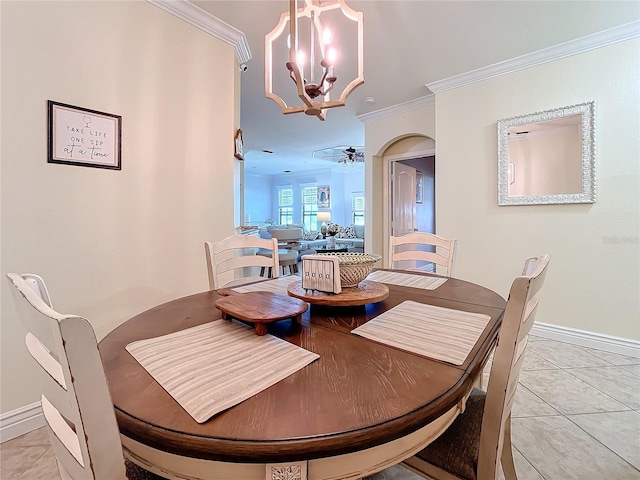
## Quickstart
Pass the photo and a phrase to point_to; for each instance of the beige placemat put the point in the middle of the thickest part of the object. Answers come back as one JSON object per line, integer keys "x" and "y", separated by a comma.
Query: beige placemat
{"x": 435, "y": 332}
{"x": 215, "y": 366}
{"x": 277, "y": 285}
{"x": 406, "y": 279}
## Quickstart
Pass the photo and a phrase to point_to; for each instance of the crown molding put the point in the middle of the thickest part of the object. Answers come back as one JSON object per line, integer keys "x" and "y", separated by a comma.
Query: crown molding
{"x": 567, "y": 49}
{"x": 206, "y": 22}
{"x": 398, "y": 109}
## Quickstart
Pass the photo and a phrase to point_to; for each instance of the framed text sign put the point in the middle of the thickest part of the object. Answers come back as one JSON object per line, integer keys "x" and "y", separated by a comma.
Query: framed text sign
{"x": 79, "y": 136}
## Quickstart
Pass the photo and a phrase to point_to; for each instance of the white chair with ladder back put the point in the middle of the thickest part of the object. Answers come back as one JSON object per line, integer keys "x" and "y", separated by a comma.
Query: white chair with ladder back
{"x": 422, "y": 251}
{"x": 229, "y": 256}
{"x": 76, "y": 402}
{"x": 480, "y": 438}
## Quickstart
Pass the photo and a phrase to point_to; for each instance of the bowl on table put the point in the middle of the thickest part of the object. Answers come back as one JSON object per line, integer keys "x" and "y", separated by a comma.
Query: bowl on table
{"x": 354, "y": 266}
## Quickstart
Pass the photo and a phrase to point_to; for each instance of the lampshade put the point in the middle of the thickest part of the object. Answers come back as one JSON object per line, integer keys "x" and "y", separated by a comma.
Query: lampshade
{"x": 308, "y": 40}
{"x": 324, "y": 216}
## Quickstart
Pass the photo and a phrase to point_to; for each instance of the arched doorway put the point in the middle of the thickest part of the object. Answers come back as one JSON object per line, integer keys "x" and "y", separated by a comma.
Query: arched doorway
{"x": 408, "y": 201}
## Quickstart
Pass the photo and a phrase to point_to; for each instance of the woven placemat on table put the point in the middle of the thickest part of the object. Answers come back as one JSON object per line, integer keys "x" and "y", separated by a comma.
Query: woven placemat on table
{"x": 435, "y": 332}
{"x": 215, "y": 366}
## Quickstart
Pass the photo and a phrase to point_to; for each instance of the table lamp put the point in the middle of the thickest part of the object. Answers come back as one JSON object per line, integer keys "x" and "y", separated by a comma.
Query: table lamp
{"x": 324, "y": 217}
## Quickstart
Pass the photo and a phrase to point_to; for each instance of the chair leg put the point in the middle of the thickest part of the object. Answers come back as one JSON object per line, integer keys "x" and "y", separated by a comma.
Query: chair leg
{"x": 479, "y": 381}
{"x": 508, "y": 467}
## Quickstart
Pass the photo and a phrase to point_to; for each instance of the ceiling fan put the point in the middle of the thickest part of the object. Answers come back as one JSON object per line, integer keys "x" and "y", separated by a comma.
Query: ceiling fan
{"x": 344, "y": 154}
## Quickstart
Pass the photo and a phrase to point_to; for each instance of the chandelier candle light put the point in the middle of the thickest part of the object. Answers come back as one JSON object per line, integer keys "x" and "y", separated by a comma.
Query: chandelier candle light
{"x": 314, "y": 93}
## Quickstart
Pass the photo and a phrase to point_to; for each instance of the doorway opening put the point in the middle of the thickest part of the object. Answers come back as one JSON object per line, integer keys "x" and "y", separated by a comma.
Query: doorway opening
{"x": 412, "y": 201}
{"x": 412, "y": 204}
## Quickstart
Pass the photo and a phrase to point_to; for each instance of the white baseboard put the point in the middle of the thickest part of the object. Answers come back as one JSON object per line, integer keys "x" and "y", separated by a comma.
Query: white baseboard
{"x": 26, "y": 419}
{"x": 20, "y": 421}
{"x": 599, "y": 341}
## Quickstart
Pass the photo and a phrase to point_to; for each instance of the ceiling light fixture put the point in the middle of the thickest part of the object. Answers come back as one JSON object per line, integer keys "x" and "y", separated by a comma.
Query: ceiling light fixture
{"x": 351, "y": 157}
{"x": 313, "y": 93}
{"x": 347, "y": 156}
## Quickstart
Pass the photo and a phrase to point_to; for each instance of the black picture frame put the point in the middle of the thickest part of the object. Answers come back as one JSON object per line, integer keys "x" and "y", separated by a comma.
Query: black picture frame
{"x": 83, "y": 137}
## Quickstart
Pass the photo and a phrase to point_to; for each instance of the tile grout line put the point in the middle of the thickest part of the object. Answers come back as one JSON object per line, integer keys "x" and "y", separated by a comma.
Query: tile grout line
{"x": 542, "y": 400}
{"x": 598, "y": 389}
{"x": 605, "y": 446}
{"x": 529, "y": 462}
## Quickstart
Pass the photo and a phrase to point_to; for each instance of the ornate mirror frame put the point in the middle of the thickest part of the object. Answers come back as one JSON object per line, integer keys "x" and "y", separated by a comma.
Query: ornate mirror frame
{"x": 588, "y": 193}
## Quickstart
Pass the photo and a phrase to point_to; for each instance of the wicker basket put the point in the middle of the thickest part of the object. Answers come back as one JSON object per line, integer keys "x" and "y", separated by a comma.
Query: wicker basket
{"x": 354, "y": 267}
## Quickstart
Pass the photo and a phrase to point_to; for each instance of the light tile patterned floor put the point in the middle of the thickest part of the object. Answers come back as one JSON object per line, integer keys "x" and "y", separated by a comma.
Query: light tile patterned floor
{"x": 576, "y": 416}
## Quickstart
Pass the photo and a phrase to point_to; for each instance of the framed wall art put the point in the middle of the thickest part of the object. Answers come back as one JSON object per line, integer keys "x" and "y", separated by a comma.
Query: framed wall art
{"x": 238, "y": 151}
{"x": 324, "y": 197}
{"x": 80, "y": 136}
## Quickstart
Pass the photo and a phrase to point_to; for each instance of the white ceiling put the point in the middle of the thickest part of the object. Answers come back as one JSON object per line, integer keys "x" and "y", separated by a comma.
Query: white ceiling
{"x": 408, "y": 43}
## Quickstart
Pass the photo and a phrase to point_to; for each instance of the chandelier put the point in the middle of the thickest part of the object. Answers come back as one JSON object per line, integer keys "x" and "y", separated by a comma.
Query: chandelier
{"x": 313, "y": 81}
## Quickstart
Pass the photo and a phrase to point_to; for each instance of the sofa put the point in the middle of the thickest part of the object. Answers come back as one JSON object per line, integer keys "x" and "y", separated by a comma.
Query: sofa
{"x": 351, "y": 235}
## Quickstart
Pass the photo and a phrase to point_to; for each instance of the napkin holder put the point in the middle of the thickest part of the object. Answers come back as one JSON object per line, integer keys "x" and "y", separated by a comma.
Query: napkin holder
{"x": 321, "y": 273}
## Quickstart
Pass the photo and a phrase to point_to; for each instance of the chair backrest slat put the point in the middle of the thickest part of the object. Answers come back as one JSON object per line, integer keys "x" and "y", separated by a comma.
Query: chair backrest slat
{"x": 66, "y": 441}
{"x": 420, "y": 247}
{"x": 76, "y": 402}
{"x": 517, "y": 322}
{"x": 58, "y": 396}
{"x": 47, "y": 361}
{"x": 232, "y": 263}
{"x": 229, "y": 255}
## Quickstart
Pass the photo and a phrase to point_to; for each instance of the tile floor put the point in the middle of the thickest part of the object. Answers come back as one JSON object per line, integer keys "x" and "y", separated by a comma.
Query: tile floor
{"x": 576, "y": 416}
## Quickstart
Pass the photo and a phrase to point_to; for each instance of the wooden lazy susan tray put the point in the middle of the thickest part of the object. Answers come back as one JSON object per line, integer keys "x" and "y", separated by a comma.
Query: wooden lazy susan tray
{"x": 366, "y": 292}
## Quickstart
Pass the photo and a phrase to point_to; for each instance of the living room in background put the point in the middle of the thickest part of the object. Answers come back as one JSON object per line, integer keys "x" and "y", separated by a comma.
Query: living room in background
{"x": 277, "y": 199}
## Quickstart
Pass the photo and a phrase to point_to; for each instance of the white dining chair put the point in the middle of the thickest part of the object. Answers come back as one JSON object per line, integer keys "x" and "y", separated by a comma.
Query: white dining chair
{"x": 422, "y": 251}
{"x": 76, "y": 402}
{"x": 230, "y": 261}
{"x": 480, "y": 438}
{"x": 290, "y": 248}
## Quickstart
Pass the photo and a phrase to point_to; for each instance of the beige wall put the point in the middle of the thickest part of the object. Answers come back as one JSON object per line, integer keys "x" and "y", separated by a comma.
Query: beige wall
{"x": 380, "y": 137}
{"x": 593, "y": 282}
{"x": 111, "y": 244}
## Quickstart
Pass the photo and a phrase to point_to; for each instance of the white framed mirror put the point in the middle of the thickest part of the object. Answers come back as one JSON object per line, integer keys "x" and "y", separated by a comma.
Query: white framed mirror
{"x": 547, "y": 157}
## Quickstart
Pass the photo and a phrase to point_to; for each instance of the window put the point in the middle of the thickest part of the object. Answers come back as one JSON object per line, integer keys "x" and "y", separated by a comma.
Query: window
{"x": 357, "y": 208}
{"x": 310, "y": 207}
{"x": 285, "y": 205}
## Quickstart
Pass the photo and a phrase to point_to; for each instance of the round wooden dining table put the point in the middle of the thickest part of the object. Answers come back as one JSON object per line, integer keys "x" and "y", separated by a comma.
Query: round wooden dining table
{"x": 360, "y": 408}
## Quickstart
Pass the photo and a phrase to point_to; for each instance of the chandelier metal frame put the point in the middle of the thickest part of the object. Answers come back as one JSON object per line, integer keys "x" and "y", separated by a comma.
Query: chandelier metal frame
{"x": 307, "y": 90}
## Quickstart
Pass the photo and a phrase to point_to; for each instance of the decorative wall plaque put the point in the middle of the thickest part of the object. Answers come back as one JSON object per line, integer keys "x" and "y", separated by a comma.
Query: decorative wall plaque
{"x": 79, "y": 136}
